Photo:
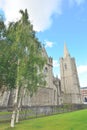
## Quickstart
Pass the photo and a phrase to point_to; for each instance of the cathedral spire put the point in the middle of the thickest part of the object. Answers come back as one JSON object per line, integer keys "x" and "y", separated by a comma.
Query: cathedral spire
{"x": 66, "y": 52}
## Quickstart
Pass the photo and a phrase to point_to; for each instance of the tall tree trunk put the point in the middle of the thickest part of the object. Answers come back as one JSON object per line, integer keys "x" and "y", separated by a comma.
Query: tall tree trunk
{"x": 15, "y": 108}
{"x": 18, "y": 109}
{"x": 16, "y": 100}
{"x": 21, "y": 95}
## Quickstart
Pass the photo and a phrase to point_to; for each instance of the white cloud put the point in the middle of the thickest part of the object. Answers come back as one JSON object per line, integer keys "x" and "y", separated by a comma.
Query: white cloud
{"x": 82, "y": 69}
{"x": 83, "y": 79}
{"x": 82, "y": 73}
{"x": 48, "y": 44}
{"x": 40, "y": 11}
{"x": 78, "y": 2}
{"x": 55, "y": 63}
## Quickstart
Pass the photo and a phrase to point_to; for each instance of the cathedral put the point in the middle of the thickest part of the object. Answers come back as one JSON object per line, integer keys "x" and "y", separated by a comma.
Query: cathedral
{"x": 65, "y": 90}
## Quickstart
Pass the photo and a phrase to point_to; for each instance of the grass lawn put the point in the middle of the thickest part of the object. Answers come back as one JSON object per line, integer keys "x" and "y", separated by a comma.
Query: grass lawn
{"x": 5, "y": 113}
{"x": 68, "y": 121}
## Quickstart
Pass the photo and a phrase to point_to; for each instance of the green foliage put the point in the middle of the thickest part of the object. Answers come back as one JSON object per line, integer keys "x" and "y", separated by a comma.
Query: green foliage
{"x": 2, "y": 26}
{"x": 2, "y": 30}
{"x": 21, "y": 46}
{"x": 7, "y": 66}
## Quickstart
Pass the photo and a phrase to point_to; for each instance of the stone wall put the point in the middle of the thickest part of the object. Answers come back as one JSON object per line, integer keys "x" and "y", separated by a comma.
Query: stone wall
{"x": 44, "y": 96}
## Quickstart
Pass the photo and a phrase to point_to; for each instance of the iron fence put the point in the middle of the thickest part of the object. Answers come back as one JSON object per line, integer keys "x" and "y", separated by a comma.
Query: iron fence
{"x": 39, "y": 111}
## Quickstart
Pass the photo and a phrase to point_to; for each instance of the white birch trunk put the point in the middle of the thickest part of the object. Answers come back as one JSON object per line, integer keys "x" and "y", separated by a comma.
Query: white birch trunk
{"x": 21, "y": 95}
{"x": 14, "y": 109}
{"x": 15, "y": 101}
{"x": 13, "y": 118}
{"x": 17, "y": 116}
{"x": 18, "y": 110}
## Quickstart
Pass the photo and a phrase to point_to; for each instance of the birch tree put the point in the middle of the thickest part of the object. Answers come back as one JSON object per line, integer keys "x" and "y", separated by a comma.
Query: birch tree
{"x": 27, "y": 57}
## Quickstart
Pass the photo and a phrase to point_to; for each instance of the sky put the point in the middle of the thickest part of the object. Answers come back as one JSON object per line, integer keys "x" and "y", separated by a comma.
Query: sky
{"x": 56, "y": 22}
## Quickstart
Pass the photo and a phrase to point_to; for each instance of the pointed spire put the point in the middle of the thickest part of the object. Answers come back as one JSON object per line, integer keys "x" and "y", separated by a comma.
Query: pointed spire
{"x": 66, "y": 53}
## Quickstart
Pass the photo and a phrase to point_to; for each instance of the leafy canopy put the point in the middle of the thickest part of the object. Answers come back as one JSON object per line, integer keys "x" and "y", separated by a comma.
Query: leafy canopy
{"x": 21, "y": 57}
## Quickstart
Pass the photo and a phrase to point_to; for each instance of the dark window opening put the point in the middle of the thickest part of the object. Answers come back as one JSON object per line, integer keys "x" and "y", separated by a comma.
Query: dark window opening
{"x": 45, "y": 70}
{"x": 65, "y": 66}
{"x": 85, "y": 99}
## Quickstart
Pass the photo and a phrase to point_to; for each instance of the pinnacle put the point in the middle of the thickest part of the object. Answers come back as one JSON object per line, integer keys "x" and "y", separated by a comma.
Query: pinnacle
{"x": 66, "y": 52}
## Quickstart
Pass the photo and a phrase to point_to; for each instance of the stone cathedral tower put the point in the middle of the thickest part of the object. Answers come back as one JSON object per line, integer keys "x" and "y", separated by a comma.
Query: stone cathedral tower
{"x": 70, "y": 86}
